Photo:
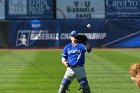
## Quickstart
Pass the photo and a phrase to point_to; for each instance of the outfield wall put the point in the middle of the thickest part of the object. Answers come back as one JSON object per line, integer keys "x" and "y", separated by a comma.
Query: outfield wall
{"x": 4, "y": 34}
{"x": 55, "y": 33}
{"x": 47, "y": 23}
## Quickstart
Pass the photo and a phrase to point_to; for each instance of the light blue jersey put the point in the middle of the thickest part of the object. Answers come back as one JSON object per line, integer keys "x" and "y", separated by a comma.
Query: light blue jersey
{"x": 75, "y": 55}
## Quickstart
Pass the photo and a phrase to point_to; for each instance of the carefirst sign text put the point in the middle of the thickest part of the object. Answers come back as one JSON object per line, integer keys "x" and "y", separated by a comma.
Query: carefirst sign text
{"x": 122, "y": 3}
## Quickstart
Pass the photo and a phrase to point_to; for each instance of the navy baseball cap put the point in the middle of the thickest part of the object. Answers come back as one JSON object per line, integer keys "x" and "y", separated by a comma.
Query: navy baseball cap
{"x": 74, "y": 32}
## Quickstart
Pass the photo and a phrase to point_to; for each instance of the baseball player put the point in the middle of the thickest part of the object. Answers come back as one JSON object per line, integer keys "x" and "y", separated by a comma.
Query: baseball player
{"x": 73, "y": 57}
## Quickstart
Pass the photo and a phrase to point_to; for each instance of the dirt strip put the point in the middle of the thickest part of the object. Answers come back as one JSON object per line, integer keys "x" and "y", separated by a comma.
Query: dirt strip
{"x": 58, "y": 49}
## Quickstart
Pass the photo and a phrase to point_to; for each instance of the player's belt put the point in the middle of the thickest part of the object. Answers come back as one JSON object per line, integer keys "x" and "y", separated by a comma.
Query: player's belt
{"x": 76, "y": 66}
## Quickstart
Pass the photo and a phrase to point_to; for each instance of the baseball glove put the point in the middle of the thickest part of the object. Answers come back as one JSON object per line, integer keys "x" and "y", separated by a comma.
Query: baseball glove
{"x": 82, "y": 38}
{"x": 134, "y": 72}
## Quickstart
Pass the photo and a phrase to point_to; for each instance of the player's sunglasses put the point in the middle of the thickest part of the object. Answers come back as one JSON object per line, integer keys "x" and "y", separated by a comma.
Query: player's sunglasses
{"x": 73, "y": 35}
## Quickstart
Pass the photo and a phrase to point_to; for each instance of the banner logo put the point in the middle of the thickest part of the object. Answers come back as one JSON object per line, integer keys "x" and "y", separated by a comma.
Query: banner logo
{"x": 23, "y": 38}
{"x": 36, "y": 24}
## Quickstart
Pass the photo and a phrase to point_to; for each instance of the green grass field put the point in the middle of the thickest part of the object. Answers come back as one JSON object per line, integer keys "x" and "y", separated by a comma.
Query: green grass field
{"x": 41, "y": 71}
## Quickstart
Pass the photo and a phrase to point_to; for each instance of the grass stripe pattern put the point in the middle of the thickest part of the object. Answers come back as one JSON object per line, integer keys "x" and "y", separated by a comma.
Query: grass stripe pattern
{"x": 37, "y": 71}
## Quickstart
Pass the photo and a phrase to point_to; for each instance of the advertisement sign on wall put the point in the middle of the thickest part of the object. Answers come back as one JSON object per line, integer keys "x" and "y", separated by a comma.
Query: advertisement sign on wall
{"x": 122, "y": 9}
{"x": 80, "y": 9}
{"x": 29, "y": 9}
{"x": 55, "y": 33}
{"x": 51, "y": 33}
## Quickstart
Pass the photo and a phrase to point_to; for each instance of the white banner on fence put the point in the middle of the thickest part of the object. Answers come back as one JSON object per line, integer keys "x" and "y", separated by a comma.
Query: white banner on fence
{"x": 80, "y": 9}
{"x": 2, "y": 9}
